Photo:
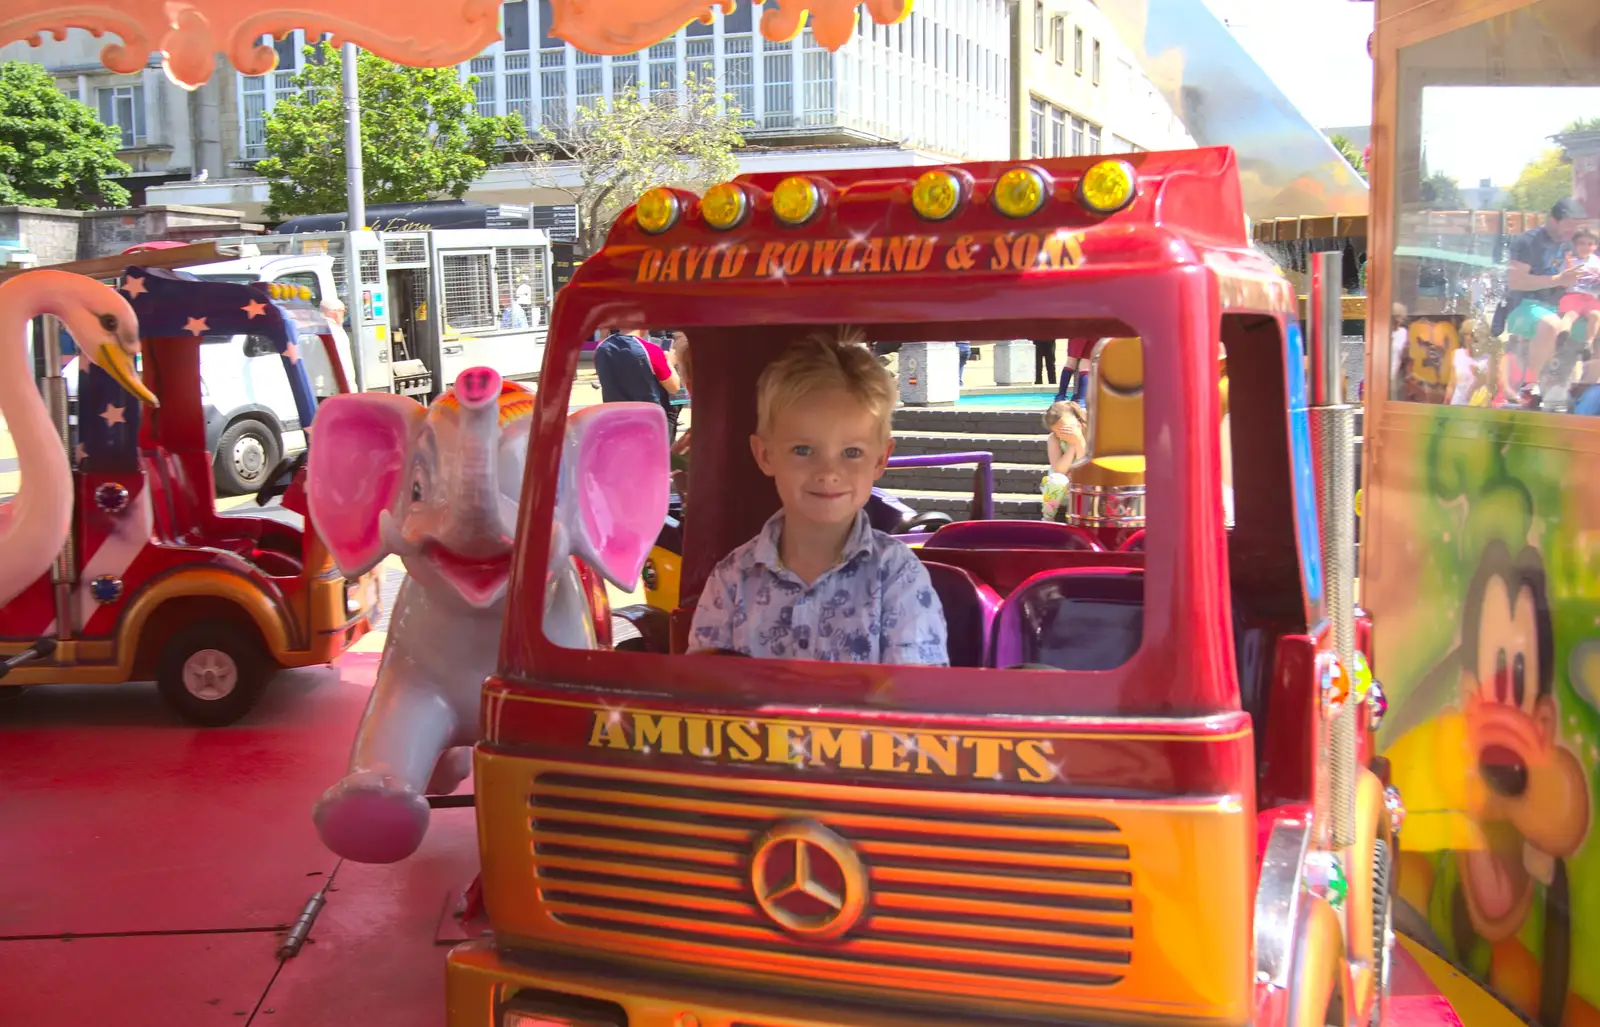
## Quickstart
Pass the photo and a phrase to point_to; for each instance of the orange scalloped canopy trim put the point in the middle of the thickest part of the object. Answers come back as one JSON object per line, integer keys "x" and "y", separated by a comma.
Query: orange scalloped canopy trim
{"x": 189, "y": 34}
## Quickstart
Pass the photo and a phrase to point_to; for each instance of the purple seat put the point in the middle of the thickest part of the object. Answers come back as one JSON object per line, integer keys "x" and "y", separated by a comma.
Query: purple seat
{"x": 1013, "y": 535}
{"x": 1074, "y": 618}
{"x": 969, "y": 611}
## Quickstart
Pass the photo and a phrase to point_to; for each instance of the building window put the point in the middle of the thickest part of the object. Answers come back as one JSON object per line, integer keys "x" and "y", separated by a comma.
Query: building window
{"x": 1036, "y": 126}
{"x": 738, "y": 72}
{"x": 700, "y": 62}
{"x": 553, "y": 89}
{"x": 624, "y": 74}
{"x": 1058, "y": 38}
{"x": 514, "y": 18}
{"x": 817, "y": 83}
{"x": 1077, "y": 137}
{"x": 1094, "y": 67}
{"x": 69, "y": 91}
{"x": 484, "y": 87}
{"x": 1038, "y": 25}
{"x": 519, "y": 97}
{"x": 1058, "y": 132}
{"x": 469, "y": 290}
{"x": 259, "y": 93}
{"x": 122, "y": 107}
{"x": 1077, "y": 51}
{"x": 664, "y": 73}
{"x": 589, "y": 81}
{"x": 778, "y": 64}
{"x": 1094, "y": 138}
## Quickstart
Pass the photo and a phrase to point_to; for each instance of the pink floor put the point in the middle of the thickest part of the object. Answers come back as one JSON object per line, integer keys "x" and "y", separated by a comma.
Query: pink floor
{"x": 149, "y": 870}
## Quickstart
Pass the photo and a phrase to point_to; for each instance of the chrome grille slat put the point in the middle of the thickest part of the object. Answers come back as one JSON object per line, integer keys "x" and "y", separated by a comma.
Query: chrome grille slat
{"x": 1020, "y": 898}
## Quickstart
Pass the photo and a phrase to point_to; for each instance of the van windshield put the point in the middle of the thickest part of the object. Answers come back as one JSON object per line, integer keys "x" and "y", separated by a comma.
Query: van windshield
{"x": 238, "y": 279}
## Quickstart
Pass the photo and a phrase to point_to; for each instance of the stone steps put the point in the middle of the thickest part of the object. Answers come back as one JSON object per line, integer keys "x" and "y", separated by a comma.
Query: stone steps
{"x": 1008, "y": 506}
{"x": 966, "y": 419}
{"x": 1018, "y": 478}
{"x": 1007, "y": 449}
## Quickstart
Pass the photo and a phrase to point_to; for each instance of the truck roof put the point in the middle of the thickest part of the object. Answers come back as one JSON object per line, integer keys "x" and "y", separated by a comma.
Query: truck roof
{"x": 855, "y": 258}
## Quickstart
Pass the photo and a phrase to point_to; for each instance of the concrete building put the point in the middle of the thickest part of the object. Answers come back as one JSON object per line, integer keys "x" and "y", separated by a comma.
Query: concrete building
{"x": 934, "y": 88}
{"x": 1085, "y": 93}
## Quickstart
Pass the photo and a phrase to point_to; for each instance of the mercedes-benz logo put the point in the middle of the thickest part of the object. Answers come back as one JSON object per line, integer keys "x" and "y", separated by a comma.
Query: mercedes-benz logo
{"x": 808, "y": 879}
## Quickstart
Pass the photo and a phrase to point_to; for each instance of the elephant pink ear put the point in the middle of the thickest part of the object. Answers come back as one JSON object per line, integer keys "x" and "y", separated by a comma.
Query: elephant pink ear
{"x": 359, "y": 450}
{"x": 614, "y": 483}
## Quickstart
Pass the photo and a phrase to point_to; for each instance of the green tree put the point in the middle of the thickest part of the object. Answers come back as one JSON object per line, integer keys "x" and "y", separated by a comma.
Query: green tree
{"x": 1348, "y": 151}
{"x": 1546, "y": 179}
{"x": 632, "y": 144}
{"x": 54, "y": 152}
{"x": 1441, "y": 192}
{"x": 1582, "y": 125}
{"x": 421, "y": 136}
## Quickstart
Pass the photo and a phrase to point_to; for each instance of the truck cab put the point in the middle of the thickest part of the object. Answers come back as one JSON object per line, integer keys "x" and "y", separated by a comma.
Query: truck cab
{"x": 1115, "y": 808}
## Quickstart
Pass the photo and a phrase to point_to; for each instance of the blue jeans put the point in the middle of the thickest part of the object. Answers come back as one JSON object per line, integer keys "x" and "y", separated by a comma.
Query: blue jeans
{"x": 965, "y": 351}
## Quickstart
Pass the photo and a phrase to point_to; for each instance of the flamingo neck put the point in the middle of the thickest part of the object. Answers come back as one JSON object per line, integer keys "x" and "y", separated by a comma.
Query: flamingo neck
{"x": 33, "y": 432}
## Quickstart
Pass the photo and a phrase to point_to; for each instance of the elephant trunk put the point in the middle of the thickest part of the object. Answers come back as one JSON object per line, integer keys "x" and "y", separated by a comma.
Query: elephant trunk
{"x": 473, "y": 525}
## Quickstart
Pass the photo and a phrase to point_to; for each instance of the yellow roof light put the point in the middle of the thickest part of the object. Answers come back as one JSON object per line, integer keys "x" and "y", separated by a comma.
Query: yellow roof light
{"x": 724, "y": 206}
{"x": 305, "y": 293}
{"x": 657, "y": 211}
{"x": 796, "y": 200}
{"x": 1108, "y": 187}
{"x": 936, "y": 195}
{"x": 1019, "y": 192}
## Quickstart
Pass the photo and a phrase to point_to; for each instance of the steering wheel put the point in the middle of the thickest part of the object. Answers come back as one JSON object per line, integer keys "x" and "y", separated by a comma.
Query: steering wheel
{"x": 930, "y": 521}
{"x": 281, "y": 478}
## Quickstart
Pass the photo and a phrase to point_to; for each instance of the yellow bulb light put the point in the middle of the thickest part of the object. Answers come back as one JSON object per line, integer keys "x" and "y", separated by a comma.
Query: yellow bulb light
{"x": 795, "y": 200}
{"x": 1019, "y": 192}
{"x": 1108, "y": 187}
{"x": 936, "y": 195}
{"x": 656, "y": 211}
{"x": 724, "y": 206}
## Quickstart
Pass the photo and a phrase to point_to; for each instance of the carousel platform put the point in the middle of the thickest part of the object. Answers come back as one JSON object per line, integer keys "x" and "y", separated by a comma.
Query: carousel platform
{"x": 150, "y": 871}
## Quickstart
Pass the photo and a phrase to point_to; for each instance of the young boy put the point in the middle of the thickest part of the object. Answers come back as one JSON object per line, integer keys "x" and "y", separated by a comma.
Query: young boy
{"x": 1583, "y": 299}
{"x": 818, "y": 583}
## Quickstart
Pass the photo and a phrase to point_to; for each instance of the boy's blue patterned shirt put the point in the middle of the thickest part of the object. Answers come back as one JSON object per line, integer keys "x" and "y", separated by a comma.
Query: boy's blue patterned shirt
{"x": 877, "y": 605}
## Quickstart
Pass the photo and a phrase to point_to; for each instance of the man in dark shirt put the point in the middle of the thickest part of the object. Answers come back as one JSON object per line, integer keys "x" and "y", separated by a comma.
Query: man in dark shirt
{"x": 632, "y": 370}
{"x": 1536, "y": 281}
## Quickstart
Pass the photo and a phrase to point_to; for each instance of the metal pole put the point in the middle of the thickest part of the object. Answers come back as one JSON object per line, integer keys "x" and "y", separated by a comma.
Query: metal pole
{"x": 355, "y": 187}
{"x": 1018, "y": 84}
{"x": 1333, "y": 432}
{"x": 355, "y": 207}
{"x": 54, "y": 389}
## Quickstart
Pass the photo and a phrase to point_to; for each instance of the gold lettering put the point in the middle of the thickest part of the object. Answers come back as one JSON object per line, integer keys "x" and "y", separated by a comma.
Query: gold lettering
{"x": 1025, "y": 251}
{"x": 943, "y": 752}
{"x": 733, "y": 260}
{"x": 746, "y": 748}
{"x": 847, "y": 257}
{"x": 1002, "y": 253}
{"x": 921, "y": 251}
{"x": 780, "y": 743}
{"x": 770, "y": 252}
{"x": 986, "y": 755}
{"x": 649, "y": 266}
{"x": 669, "y": 270}
{"x": 895, "y": 258}
{"x": 874, "y": 258}
{"x": 794, "y": 258}
{"x": 1034, "y": 755}
{"x": 607, "y": 731}
{"x": 842, "y": 746}
{"x": 823, "y": 254}
{"x": 705, "y": 736}
{"x": 1075, "y": 247}
{"x": 889, "y": 752}
{"x": 691, "y": 261}
{"x": 664, "y": 733}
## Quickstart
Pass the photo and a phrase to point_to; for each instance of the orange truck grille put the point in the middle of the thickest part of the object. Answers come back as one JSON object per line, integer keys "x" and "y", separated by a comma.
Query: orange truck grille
{"x": 962, "y": 896}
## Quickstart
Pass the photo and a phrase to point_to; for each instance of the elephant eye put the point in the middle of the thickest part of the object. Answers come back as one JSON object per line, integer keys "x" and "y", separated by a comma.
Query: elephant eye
{"x": 416, "y": 492}
{"x": 1519, "y": 678}
{"x": 108, "y": 322}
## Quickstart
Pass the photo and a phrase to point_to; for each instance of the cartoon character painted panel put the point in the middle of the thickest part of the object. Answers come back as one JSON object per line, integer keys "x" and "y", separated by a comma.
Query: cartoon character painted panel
{"x": 1487, "y": 605}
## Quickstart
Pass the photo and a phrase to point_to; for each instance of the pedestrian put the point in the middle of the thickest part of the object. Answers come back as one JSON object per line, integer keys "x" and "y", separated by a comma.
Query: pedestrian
{"x": 633, "y": 370}
{"x": 963, "y": 353}
{"x": 1044, "y": 361}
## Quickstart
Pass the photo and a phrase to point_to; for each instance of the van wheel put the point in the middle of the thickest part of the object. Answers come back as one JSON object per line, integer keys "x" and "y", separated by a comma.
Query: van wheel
{"x": 246, "y": 455}
{"x": 212, "y": 672}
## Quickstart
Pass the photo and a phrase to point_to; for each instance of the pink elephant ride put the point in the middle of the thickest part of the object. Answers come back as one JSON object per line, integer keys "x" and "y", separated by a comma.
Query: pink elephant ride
{"x": 440, "y": 487}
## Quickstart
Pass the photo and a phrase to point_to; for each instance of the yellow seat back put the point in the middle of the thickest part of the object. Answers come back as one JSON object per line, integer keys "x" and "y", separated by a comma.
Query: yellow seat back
{"x": 1116, "y": 416}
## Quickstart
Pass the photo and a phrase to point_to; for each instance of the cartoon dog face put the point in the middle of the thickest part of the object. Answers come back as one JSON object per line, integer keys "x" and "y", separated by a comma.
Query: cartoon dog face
{"x": 1525, "y": 791}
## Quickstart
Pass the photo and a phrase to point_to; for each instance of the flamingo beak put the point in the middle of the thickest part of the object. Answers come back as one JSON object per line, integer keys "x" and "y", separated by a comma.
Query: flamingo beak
{"x": 118, "y": 363}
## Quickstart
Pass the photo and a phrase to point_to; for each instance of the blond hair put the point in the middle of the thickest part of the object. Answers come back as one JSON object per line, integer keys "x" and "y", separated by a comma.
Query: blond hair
{"x": 1064, "y": 408}
{"x": 830, "y": 359}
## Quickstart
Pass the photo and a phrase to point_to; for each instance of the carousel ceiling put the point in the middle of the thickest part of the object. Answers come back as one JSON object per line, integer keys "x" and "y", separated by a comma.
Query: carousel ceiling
{"x": 430, "y": 33}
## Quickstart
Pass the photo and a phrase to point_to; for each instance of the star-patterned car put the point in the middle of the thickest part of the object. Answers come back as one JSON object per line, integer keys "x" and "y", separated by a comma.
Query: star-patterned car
{"x": 158, "y": 583}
